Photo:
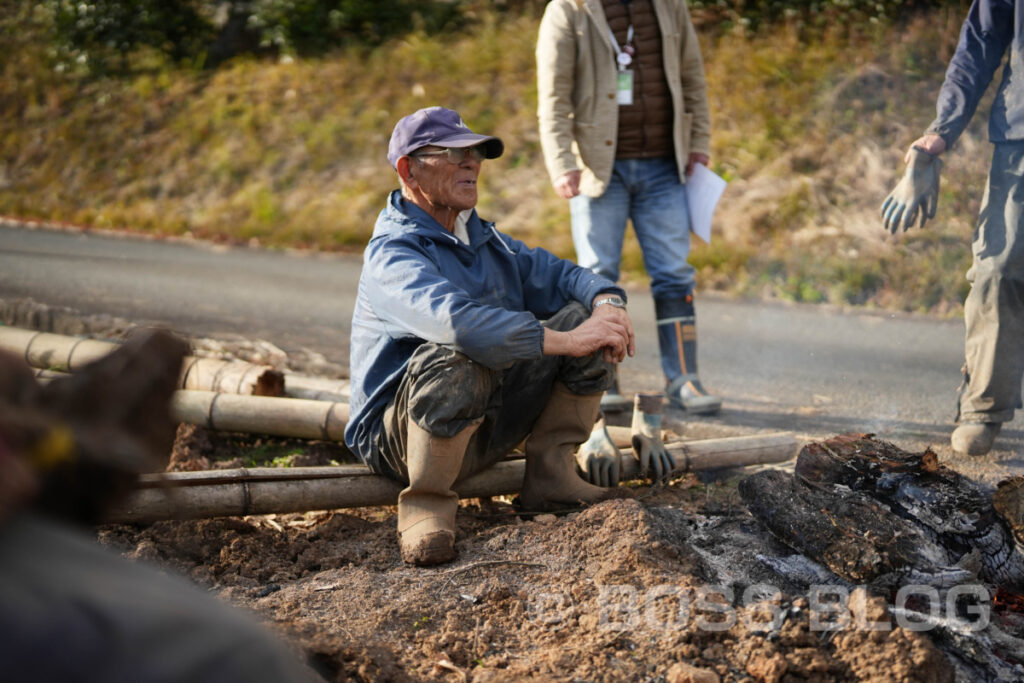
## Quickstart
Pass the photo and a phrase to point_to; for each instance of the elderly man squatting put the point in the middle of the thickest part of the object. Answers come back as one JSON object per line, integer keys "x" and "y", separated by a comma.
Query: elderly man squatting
{"x": 465, "y": 342}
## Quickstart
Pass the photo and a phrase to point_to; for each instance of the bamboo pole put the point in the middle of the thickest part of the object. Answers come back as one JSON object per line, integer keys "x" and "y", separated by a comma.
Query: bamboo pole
{"x": 292, "y": 417}
{"x": 316, "y": 388}
{"x": 622, "y": 437}
{"x": 196, "y": 495}
{"x": 231, "y": 376}
{"x": 275, "y": 416}
{"x": 53, "y": 351}
{"x": 296, "y": 386}
{"x": 62, "y": 353}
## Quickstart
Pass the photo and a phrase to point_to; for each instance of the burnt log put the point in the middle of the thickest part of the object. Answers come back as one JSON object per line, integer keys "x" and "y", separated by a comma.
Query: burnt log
{"x": 855, "y": 537}
{"x": 956, "y": 512}
{"x": 1008, "y": 500}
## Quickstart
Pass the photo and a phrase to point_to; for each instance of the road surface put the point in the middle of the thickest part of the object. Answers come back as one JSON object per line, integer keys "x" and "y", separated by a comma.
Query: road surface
{"x": 813, "y": 370}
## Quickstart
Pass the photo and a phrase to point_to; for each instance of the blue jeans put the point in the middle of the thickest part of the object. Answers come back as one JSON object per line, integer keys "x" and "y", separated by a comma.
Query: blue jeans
{"x": 648, "y": 192}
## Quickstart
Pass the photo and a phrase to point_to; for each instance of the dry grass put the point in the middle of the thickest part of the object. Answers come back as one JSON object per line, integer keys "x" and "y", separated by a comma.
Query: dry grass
{"x": 810, "y": 135}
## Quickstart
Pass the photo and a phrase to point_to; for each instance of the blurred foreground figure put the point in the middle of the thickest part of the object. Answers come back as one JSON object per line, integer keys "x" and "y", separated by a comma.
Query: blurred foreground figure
{"x": 994, "y": 310}
{"x": 69, "y": 609}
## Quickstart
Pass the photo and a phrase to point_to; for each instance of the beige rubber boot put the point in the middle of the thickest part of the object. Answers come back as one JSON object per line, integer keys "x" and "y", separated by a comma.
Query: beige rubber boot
{"x": 426, "y": 508}
{"x": 974, "y": 438}
{"x": 551, "y": 481}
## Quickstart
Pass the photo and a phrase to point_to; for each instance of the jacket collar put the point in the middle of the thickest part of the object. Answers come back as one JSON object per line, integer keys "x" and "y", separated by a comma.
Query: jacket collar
{"x": 401, "y": 215}
{"x": 594, "y": 10}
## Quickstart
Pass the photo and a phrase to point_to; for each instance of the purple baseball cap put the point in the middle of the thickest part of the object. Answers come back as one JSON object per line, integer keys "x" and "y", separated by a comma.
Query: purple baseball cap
{"x": 441, "y": 127}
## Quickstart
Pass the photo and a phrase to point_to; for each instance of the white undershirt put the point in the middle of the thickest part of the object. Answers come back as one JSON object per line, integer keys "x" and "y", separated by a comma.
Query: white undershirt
{"x": 460, "y": 230}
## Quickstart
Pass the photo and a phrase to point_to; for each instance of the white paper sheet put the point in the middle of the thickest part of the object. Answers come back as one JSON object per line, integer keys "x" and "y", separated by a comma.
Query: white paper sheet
{"x": 703, "y": 188}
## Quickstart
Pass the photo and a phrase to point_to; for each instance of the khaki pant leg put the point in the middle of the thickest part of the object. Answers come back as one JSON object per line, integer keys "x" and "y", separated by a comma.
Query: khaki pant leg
{"x": 994, "y": 310}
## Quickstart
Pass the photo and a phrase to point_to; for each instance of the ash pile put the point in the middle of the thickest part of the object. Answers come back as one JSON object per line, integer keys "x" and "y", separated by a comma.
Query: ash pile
{"x": 944, "y": 551}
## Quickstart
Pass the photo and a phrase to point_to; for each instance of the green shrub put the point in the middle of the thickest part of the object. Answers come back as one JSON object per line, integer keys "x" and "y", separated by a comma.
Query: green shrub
{"x": 101, "y": 34}
{"x": 313, "y": 27}
{"x": 813, "y": 15}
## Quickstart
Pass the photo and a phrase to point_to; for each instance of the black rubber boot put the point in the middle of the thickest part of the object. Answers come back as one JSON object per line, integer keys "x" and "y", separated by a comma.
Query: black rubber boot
{"x": 614, "y": 402}
{"x": 677, "y": 341}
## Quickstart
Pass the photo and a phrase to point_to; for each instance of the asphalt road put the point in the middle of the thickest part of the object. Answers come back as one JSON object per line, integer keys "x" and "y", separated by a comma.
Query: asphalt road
{"x": 813, "y": 370}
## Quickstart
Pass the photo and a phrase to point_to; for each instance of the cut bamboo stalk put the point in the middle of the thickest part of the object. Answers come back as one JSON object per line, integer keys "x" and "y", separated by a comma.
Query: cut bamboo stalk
{"x": 292, "y": 417}
{"x": 732, "y": 451}
{"x": 622, "y": 437}
{"x": 196, "y": 495}
{"x": 230, "y": 376}
{"x": 63, "y": 353}
{"x": 53, "y": 351}
{"x": 316, "y": 388}
{"x": 274, "y": 416}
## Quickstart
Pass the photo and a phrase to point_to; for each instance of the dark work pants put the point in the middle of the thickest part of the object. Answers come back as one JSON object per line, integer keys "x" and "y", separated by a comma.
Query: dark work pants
{"x": 444, "y": 391}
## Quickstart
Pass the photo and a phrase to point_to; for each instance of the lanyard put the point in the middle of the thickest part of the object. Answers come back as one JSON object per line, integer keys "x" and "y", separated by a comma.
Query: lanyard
{"x": 623, "y": 57}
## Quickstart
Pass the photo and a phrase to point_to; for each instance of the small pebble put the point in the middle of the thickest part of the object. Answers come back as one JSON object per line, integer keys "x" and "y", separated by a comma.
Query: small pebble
{"x": 267, "y": 590}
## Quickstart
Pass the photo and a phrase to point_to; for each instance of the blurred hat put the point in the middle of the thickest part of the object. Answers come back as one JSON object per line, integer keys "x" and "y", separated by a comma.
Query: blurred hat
{"x": 441, "y": 127}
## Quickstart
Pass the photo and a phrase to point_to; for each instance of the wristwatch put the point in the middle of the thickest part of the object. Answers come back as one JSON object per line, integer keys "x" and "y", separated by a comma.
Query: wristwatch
{"x": 612, "y": 300}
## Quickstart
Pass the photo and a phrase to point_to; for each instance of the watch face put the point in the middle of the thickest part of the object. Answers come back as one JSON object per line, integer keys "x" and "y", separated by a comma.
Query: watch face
{"x": 612, "y": 300}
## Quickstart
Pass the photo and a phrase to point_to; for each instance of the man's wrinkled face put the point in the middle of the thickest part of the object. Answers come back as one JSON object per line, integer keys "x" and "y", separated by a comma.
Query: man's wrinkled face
{"x": 445, "y": 183}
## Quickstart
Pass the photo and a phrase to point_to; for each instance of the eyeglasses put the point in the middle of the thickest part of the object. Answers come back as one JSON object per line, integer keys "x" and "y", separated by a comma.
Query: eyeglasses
{"x": 455, "y": 155}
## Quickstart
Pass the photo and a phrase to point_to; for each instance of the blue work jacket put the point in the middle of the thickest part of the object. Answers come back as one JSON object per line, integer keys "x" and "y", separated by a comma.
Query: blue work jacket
{"x": 420, "y": 283}
{"x": 991, "y": 27}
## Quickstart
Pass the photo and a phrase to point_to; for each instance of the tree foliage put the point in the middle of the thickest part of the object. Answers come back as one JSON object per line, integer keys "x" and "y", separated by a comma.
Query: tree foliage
{"x": 810, "y": 14}
{"x": 101, "y": 34}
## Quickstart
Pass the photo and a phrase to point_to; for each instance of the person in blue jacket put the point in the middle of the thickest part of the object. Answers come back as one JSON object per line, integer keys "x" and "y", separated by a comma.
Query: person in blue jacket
{"x": 994, "y": 309}
{"x": 465, "y": 342}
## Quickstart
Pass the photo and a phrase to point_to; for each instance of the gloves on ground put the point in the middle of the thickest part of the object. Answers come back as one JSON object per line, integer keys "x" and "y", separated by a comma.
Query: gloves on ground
{"x": 648, "y": 448}
{"x": 916, "y": 195}
{"x": 597, "y": 459}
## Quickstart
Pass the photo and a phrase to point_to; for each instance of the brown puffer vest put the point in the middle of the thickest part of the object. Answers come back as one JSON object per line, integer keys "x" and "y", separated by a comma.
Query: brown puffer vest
{"x": 645, "y": 127}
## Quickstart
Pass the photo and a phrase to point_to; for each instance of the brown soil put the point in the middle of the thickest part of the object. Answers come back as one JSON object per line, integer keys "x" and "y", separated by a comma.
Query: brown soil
{"x": 597, "y": 595}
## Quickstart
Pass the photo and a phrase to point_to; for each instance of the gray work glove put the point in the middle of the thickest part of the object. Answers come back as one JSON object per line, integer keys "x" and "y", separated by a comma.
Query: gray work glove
{"x": 597, "y": 459}
{"x": 917, "y": 192}
{"x": 648, "y": 448}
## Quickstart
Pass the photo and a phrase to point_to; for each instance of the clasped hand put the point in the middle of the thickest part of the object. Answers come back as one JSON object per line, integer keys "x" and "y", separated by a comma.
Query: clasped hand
{"x": 608, "y": 329}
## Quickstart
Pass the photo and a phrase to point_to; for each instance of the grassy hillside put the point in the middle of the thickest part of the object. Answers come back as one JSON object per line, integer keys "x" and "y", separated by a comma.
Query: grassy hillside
{"x": 810, "y": 134}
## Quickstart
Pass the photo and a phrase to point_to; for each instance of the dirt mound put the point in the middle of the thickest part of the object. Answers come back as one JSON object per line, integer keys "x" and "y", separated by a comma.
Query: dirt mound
{"x": 650, "y": 588}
